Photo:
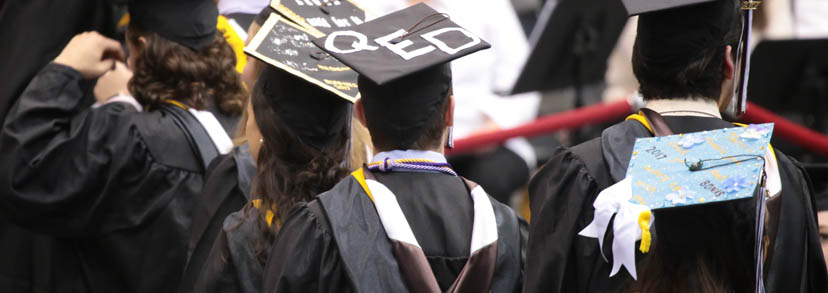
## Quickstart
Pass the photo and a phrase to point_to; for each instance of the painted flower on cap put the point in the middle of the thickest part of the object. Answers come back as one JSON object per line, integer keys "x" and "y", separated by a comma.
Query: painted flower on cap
{"x": 735, "y": 184}
{"x": 756, "y": 131}
{"x": 681, "y": 196}
{"x": 690, "y": 140}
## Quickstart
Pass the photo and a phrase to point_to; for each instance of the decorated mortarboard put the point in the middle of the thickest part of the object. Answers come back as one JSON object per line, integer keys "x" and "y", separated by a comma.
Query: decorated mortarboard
{"x": 191, "y": 23}
{"x": 698, "y": 168}
{"x": 687, "y": 170}
{"x": 288, "y": 46}
{"x": 401, "y": 43}
{"x": 321, "y": 16}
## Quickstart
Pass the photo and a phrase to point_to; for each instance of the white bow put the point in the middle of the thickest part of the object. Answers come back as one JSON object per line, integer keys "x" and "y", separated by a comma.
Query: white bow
{"x": 626, "y": 228}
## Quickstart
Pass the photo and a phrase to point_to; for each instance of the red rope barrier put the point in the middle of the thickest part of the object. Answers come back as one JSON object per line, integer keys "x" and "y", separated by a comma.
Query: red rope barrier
{"x": 595, "y": 114}
{"x": 784, "y": 128}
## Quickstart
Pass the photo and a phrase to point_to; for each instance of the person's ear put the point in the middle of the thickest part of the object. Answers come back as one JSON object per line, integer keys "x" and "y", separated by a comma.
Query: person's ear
{"x": 728, "y": 66}
{"x": 359, "y": 111}
{"x": 450, "y": 112}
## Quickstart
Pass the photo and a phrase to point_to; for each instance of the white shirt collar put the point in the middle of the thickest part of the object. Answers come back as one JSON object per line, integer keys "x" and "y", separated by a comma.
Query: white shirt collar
{"x": 685, "y": 107}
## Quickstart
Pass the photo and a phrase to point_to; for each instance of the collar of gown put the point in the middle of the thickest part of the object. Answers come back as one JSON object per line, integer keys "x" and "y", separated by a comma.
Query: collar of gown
{"x": 685, "y": 107}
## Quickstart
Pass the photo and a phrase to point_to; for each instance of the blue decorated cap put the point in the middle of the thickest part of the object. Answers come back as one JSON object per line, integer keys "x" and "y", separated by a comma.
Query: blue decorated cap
{"x": 698, "y": 168}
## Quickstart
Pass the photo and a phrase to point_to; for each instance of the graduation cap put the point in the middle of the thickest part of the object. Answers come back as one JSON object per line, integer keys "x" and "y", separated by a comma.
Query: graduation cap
{"x": 689, "y": 26}
{"x": 288, "y": 46}
{"x": 401, "y": 43}
{"x": 191, "y": 23}
{"x": 402, "y": 60}
{"x": 688, "y": 170}
{"x": 698, "y": 168}
{"x": 571, "y": 43}
{"x": 321, "y": 16}
{"x": 310, "y": 93}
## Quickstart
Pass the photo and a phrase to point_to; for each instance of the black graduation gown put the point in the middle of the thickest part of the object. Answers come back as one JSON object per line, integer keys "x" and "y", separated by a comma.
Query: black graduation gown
{"x": 226, "y": 190}
{"x": 236, "y": 260}
{"x": 563, "y": 191}
{"x": 34, "y": 32}
{"x": 306, "y": 255}
{"x": 113, "y": 186}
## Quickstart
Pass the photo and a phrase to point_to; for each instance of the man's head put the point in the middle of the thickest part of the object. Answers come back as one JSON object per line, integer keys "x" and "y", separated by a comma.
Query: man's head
{"x": 412, "y": 112}
{"x": 687, "y": 52}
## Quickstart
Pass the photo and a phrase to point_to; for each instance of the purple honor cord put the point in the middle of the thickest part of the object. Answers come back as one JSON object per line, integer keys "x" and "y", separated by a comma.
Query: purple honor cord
{"x": 389, "y": 165}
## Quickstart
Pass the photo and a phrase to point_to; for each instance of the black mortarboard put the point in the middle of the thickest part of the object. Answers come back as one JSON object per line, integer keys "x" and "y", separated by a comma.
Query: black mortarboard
{"x": 191, "y": 23}
{"x": 310, "y": 93}
{"x": 401, "y": 43}
{"x": 403, "y": 63}
{"x": 288, "y": 46}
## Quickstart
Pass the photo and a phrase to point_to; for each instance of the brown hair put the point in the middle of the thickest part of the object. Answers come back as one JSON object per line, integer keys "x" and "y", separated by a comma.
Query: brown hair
{"x": 684, "y": 73}
{"x": 360, "y": 145}
{"x": 431, "y": 135}
{"x": 166, "y": 70}
{"x": 290, "y": 171}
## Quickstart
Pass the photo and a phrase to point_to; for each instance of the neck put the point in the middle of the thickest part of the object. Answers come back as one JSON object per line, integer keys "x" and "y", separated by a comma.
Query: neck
{"x": 685, "y": 107}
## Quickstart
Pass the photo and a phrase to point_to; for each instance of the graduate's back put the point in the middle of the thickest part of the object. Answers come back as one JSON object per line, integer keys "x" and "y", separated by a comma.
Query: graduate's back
{"x": 113, "y": 185}
{"x": 684, "y": 59}
{"x": 406, "y": 221}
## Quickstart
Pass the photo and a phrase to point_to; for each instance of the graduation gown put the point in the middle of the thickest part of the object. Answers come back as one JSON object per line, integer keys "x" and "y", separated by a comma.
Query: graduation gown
{"x": 111, "y": 185}
{"x": 337, "y": 244}
{"x": 36, "y": 31}
{"x": 226, "y": 191}
{"x": 236, "y": 260}
{"x": 563, "y": 191}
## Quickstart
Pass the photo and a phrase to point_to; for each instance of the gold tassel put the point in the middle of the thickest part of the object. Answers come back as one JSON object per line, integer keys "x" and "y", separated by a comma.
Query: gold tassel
{"x": 646, "y": 237}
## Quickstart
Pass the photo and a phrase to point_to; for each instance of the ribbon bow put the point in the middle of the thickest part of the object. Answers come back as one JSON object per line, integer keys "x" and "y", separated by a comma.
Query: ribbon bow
{"x": 632, "y": 223}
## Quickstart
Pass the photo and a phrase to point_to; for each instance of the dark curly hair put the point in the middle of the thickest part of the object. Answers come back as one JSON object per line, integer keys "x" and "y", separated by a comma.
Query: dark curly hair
{"x": 166, "y": 70}
{"x": 289, "y": 171}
